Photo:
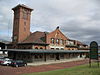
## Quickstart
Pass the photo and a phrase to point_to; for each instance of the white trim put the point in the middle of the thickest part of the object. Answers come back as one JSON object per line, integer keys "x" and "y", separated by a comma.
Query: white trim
{"x": 33, "y": 47}
{"x": 57, "y": 47}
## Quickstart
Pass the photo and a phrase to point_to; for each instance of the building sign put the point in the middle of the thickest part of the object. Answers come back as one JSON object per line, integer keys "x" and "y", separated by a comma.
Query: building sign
{"x": 94, "y": 50}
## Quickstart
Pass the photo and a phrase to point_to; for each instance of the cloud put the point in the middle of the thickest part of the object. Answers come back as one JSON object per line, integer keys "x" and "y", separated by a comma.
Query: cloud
{"x": 78, "y": 19}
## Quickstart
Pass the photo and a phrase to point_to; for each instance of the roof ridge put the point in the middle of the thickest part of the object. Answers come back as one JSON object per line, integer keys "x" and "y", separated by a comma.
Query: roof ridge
{"x": 22, "y": 5}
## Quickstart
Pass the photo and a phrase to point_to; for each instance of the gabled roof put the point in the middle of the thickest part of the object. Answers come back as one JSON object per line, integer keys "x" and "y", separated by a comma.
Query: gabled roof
{"x": 80, "y": 43}
{"x": 36, "y": 37}
{"x": 57, "y": 29}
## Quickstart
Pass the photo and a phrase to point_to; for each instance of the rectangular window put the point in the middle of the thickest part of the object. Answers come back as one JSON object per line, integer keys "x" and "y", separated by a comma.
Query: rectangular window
{"x": 52, "y": 40}
{"x": 24, "y": 25}
{"x": 61, "y": 41}
{"x": 57, "y": 41}
{"x": 68, "y": 42}
{"x": 25, "y": 14}
{"x": 65, "y": 42}
{"x": 71, "y": 43}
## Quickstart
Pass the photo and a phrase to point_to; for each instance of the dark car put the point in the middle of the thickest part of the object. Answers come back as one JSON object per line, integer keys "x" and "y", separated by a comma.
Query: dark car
{"x": 18, "y": 63}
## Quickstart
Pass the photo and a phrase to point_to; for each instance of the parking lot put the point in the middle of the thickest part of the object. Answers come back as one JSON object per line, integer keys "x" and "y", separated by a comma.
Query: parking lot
{"x": 7, "y": 70}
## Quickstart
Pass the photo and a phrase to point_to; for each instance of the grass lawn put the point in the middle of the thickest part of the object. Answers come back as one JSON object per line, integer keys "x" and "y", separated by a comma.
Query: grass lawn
{"x": 79, "y": 70}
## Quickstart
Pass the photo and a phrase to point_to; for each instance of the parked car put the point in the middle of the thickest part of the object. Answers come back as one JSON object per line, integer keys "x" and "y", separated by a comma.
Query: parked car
{"x": 5, "y": 61}
{"x": 1, "y": 60}
{"x": 18, "y": 63}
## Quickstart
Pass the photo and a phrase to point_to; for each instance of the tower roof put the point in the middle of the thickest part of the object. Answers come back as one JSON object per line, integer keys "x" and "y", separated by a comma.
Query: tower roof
{"x": 21, "y": 5}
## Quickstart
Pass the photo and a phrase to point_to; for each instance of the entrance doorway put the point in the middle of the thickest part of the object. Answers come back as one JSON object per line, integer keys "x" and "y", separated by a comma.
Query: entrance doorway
{"x": 57, "y": 57}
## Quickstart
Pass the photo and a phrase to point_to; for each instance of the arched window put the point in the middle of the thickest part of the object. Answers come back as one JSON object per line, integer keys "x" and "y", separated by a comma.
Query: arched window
{"x": 36, "y": 47}
{"x": 62, "y": 49}
{"x": 57, "y": 48}
{"x": 52, "y": 48}
{"x": 29, "y": 48}
{"x": 41, "y": 48}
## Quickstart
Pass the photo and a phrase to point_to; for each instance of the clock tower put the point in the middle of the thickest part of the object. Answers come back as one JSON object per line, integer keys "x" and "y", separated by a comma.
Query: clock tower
{"x": 21, "y": 23}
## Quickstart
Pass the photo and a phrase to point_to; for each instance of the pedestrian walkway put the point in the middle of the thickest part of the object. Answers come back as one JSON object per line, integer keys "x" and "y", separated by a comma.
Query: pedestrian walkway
{"x": 53, "y": 61}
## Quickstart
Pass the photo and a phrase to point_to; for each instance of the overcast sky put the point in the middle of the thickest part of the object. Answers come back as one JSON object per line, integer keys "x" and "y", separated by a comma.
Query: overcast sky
{"x": 77, "y": 19}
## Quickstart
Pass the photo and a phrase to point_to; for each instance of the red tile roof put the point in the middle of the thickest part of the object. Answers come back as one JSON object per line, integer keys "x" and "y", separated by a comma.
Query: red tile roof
{"x": 36, "y": 37}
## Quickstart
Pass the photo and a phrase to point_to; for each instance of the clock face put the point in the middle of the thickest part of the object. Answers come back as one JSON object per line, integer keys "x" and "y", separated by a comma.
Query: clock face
{"x": 15, "y": 37}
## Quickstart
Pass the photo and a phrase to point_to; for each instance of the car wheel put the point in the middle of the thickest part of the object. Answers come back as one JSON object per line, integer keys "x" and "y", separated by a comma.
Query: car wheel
{"x": 25, "y": 65}
{"x": 7, "y": 64}
{"x": 16, "y": 65}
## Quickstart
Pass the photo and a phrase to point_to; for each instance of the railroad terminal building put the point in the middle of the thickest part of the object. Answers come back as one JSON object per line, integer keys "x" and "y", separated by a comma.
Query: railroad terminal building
{"x": 40, "y": 46}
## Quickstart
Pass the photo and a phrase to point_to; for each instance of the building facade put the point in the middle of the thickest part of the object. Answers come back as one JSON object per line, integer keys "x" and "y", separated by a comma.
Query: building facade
{"x": 24, "y": 39}
{"x": 40, "y": 45}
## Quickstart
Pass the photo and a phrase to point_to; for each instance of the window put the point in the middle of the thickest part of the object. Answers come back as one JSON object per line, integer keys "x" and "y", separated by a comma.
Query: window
{"x": 62, "y": 49}
{"x": 68, "y": 42}
{"x": 41, "y": 48}
{"x": 52, "y": 40}
{"x": 57, "y": 41}
{"x": 71, "y": 43}
{"x": 36, "y": 56}
{"x": 61, "y": 41}
{"x": 36, "y": 47}
{"x": 65, "y": 41}
{"x": 80, "y": 46}
{"x": 57, "y": 48}
{"x": 52, "y": 48}
{"x": 25, "y": 15}
{"x": 24, "y": 25}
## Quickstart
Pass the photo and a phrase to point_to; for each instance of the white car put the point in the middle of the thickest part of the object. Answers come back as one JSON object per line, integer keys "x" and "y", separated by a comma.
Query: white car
{"x": 6, "y": 61}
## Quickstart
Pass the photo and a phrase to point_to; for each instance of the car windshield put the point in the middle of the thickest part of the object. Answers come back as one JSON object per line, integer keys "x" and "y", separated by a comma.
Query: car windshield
{"x": 18, "y": 61}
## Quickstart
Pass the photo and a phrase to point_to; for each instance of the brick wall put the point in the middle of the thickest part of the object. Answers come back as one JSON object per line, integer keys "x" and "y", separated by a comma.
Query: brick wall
{"x": 56, "y": 39}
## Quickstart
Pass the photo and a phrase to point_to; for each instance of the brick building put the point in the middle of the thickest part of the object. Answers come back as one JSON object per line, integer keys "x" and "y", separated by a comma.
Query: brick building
{"x": 24, "y": 39}
{"x": 50, "y": 41}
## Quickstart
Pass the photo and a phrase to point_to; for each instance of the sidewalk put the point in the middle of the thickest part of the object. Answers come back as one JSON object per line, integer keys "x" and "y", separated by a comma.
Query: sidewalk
{"x": 53, "y": 61}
